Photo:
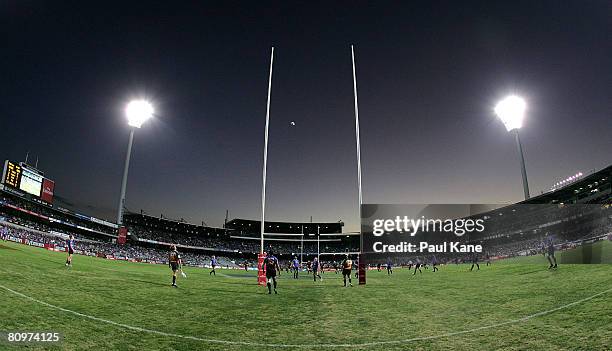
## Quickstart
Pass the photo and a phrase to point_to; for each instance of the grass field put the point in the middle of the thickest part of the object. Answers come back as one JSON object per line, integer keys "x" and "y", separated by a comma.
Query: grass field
{"x": 454, "y": 308}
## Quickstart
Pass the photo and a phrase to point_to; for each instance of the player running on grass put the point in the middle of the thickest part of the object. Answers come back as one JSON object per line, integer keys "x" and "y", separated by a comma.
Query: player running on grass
{"x": 175, "y": 262}
{"x": 70, "y": 250}
{"x": 475, "y": 262}
{"x": 213, "y": 264}
{"x": 295, "y": 264}
{"x": 389, "y": 266}
{"x": 417, "y": 265}
{"x": 550, "y": 251}
{"x": 271, "y": 266}
{"x": 347, "y": 268}
{"x": 316, "y": 267}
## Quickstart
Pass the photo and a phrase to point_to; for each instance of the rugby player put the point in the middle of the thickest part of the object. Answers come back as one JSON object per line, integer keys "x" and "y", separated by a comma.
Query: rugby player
{"x": 70, "y": 250}
{"x": 175, "y": 262}
{"x": 434, "y": 263}
{"x": 271, "y": 266}
{"x": 295, "y": 264}
{"x": 475, "y": 262}
{"x": 213, "y": 263}
{"x": 550, "y": 250}
{"x": 417, "y": 265}
{"x": 347, "y": 267}
{"x": 316, "y": 266}
{"x": 389, "y": 267}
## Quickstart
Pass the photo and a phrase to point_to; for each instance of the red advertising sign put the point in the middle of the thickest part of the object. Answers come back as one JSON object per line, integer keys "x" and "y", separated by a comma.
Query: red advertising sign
{"x": 48, "y": 186}
{"x": 121, "y": 239}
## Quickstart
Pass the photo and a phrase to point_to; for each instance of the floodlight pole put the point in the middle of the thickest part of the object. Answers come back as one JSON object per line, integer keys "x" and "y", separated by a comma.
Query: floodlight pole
{"x": 265, "y": 157}
{"x": 361, "y": 269}
{"x": 523, "y": 169}
{"x": 124, "y": 180}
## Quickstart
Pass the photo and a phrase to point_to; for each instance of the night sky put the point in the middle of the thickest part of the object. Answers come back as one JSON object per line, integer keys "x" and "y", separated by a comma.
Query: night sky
{"x": 429, "y": 74}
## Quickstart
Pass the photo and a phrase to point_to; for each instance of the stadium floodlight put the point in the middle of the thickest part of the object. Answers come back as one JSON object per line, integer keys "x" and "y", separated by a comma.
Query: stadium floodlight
{"x": 137, "y": 112}
{"x": 511, "y": 111}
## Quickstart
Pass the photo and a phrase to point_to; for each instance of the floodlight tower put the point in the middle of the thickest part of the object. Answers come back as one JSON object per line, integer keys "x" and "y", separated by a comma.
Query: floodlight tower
{"x": 511, "y": 111}
{"x": 137, "y": 112}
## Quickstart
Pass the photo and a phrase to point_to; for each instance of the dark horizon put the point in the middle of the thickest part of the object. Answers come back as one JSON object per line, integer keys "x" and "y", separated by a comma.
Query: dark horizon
{"x": 429, "y": 75}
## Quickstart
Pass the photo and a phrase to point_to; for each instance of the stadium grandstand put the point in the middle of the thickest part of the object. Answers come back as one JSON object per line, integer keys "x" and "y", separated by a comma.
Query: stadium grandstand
{"x": 28, "y": 220}
{"x": 576, "y": 214}
{"x": 595, "y": 188}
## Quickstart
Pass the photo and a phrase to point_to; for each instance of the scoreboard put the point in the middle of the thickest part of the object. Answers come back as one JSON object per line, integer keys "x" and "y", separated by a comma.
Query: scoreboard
{"x": 21, "y": 177}
{"x": 12, "y": 174}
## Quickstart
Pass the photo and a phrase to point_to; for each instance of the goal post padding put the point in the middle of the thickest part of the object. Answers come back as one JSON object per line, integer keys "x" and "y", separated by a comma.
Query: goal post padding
{"x": 261, "y": 273}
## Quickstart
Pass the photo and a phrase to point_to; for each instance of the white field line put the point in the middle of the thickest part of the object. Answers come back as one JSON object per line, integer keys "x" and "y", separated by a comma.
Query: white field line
{"x": 347, "y": 345}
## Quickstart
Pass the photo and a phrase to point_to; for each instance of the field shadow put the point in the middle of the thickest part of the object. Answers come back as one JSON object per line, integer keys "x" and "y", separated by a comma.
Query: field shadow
{"x": 215, "y": 290}
{"x": 148, "y": 282}
{"x": 241, "y": 283}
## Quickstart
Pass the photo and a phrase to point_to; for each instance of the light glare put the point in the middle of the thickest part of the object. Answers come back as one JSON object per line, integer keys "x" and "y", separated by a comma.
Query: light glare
{"x": 138, "y": 112}
{"x": 511, "y": 111}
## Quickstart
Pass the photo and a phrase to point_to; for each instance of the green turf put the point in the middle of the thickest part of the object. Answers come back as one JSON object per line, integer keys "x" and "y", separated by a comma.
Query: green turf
{"x": 599, "y": 252}
{"x": 231, "y": 307}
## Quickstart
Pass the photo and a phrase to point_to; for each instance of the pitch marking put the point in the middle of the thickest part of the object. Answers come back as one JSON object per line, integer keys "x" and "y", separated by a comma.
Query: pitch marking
{"x": 246, "y": 343}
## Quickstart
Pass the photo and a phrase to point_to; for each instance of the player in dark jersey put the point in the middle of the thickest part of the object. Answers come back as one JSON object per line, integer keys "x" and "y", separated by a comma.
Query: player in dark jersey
{"x": 389, "y": 267}
{"x": 347, "y": 267}
{"x": 417, "y": 265}
{"x": 69, "y": 250}
{"x": 213, "y": 264}
{"x": 316, "y": 267}
{"x": 475, "y": 262}
{"x": 175, "y": 262}
{"x": 434, "y": 263}
{"x": 295, "y": 265}
{"x": 271, "y": 266}
{"x": 550, "y": 251}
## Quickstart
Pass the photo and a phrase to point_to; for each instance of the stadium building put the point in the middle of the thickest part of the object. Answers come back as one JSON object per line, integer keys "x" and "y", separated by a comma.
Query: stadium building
{"x": 32, "y": 217}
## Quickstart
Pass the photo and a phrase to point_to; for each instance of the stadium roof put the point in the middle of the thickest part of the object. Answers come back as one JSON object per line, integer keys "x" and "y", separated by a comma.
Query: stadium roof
{"x": 134, "y": 217}
{"x": 285, "y": 227}
{"x": 593, "y": 188}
